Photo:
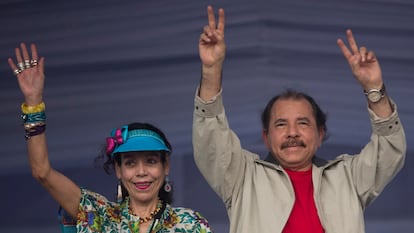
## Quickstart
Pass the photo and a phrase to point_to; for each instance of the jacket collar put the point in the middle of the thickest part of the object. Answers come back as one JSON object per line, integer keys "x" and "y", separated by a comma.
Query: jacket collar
{"x": 319, "y": 162}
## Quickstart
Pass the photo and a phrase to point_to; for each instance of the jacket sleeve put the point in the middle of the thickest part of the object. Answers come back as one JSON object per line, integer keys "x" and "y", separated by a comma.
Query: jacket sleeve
{"x": 217, "y": 150}
{"x": 381, "y": 159}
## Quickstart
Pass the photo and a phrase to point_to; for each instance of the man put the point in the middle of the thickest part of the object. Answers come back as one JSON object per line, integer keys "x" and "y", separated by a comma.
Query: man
{"x": 292, "y": 190}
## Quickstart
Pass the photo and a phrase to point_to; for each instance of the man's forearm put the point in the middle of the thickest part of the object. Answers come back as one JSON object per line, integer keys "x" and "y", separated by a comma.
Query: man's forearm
{"x": 210, "y": 83}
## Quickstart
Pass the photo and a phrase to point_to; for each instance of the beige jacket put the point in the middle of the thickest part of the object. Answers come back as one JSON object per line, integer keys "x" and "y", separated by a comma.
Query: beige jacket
{"x": 258, "y": 194}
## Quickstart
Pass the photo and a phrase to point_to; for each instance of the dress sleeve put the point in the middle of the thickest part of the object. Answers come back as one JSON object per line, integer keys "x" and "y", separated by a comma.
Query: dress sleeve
{"x": 94, "y": 211}
{"x": 191, "y": 221}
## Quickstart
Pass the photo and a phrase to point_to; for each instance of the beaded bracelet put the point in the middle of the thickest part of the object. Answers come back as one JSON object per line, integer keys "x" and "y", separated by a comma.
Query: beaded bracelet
{"x": 33, "y": 131}
{"x": 26, "y": 109}
{"x": 28, "y": 126}
{"x": 34, "y": 117}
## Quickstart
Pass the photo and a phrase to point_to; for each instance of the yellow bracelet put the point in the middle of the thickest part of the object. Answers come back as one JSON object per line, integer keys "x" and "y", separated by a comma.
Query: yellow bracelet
{"x": 26, "y": 109}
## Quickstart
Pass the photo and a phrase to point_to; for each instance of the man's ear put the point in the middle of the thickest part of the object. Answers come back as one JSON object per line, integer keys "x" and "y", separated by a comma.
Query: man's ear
{"x": 265, "y": 138}
{"x": 321, "y": 136}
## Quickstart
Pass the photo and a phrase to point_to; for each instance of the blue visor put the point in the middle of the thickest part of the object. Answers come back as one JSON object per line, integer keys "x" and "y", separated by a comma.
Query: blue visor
{"x": 139, "y": 140}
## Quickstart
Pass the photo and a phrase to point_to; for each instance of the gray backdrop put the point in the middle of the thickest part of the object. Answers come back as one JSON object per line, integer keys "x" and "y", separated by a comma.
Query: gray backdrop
{"x": 111, "y": 62}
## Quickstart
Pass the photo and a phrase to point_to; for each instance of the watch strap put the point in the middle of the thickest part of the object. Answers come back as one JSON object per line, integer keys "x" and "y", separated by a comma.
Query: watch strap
{"x": 381, "y": 91}
{"x": 375, "y": 95}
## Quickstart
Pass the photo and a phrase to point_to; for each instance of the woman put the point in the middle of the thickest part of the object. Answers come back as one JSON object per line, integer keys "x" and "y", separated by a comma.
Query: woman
{"x": 139, "y": 153}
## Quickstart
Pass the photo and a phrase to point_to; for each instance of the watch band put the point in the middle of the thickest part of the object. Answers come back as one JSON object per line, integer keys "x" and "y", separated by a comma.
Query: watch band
{"x": 375, "y": 95}
{"x": 381, "y": 91}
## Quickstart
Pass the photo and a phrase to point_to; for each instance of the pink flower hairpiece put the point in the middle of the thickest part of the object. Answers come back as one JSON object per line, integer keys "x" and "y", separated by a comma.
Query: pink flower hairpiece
{"x": 118, "y": 137}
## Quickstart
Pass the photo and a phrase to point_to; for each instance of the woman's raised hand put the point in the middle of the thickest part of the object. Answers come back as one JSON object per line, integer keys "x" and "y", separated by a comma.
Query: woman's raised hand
{"x": 29, "y": 73}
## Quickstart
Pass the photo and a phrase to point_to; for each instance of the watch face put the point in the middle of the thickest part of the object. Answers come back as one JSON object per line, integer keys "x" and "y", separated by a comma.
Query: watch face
{"x": 374, "y": 96}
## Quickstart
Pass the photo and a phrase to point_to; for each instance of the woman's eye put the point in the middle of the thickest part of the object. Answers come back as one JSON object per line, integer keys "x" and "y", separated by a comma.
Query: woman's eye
{"x": 152, "y": 161}
{"x": 129, "y": 163}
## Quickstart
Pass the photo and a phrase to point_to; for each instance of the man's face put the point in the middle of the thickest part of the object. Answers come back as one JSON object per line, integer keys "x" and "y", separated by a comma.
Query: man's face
{"x": 293, "y": 136}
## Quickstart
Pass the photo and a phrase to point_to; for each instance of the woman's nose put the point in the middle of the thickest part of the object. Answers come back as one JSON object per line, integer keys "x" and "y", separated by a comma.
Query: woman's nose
{"x": 140, "y": 169}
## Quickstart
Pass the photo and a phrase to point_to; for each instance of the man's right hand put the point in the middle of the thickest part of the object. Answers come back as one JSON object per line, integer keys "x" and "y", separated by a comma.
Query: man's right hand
{"x": 212, "y": 49}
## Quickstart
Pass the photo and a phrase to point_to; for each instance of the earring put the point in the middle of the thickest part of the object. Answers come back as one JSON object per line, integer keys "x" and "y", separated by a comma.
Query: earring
{"x": 167, "y": 184}
{"x": 119, "y": 192}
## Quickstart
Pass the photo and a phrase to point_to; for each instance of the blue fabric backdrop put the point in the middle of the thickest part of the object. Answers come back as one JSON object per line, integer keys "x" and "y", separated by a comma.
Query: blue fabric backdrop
{"x": 111, "y": 62}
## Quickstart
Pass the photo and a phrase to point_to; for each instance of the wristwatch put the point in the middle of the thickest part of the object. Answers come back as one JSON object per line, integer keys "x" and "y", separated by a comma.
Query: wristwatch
{"x": 375, "y": 95}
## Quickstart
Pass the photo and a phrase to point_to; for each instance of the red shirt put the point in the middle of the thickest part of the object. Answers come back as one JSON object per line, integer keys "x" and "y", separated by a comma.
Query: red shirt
{"x": 304, "y": 216}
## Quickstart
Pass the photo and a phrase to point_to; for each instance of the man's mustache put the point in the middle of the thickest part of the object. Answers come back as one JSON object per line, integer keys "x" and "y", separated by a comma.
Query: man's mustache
{"x": 292, "y": 142}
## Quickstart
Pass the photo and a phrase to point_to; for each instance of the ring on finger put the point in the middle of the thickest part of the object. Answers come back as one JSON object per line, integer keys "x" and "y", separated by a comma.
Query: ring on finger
{"x": 27, "y": 64}
{"x": 33, "y": 62}
{"x": 20, "y": 65}
{"x": 16, "y": 71}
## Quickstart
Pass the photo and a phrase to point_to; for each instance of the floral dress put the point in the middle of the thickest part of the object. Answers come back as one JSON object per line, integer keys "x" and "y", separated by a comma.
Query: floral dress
{"x": 98, "y": 214}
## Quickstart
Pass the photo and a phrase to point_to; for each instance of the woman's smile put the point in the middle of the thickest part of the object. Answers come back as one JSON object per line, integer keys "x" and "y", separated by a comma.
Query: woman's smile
{"x": 143, "y": 185}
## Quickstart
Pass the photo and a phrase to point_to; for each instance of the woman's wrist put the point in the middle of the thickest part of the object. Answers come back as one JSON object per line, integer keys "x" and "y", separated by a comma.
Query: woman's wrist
{"x": 33, "y": 100}
{"x": 34, "y": 119}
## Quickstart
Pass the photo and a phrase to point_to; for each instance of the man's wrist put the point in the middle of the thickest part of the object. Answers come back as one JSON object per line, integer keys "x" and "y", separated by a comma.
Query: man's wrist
{"x": 375, "y": 95}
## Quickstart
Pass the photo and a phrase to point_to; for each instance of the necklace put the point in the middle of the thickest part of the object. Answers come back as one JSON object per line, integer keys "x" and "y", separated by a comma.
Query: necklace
{"x": 151, "y": 215}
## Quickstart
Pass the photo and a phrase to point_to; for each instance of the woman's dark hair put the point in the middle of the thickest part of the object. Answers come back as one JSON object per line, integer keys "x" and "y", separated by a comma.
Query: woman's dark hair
{"x": 319, "y": 115}
{"x": 109, "y": 164}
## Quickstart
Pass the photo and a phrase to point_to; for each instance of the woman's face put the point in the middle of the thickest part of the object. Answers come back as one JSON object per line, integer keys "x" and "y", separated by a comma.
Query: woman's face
{"x": 142, "y": 174}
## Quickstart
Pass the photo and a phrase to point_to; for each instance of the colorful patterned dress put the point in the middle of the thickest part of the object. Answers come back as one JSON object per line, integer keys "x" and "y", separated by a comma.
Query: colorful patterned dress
{"x": 98, "y": 214}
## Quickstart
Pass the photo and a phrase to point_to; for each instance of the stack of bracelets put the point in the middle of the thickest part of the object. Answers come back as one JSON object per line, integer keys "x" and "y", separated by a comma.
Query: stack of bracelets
{"x": 34, "y": 119}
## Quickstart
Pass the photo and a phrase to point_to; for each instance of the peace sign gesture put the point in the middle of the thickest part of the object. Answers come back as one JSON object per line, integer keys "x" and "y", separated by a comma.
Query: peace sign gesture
{"x": 364, "y": 65}
{"x": 212, "y": 47}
